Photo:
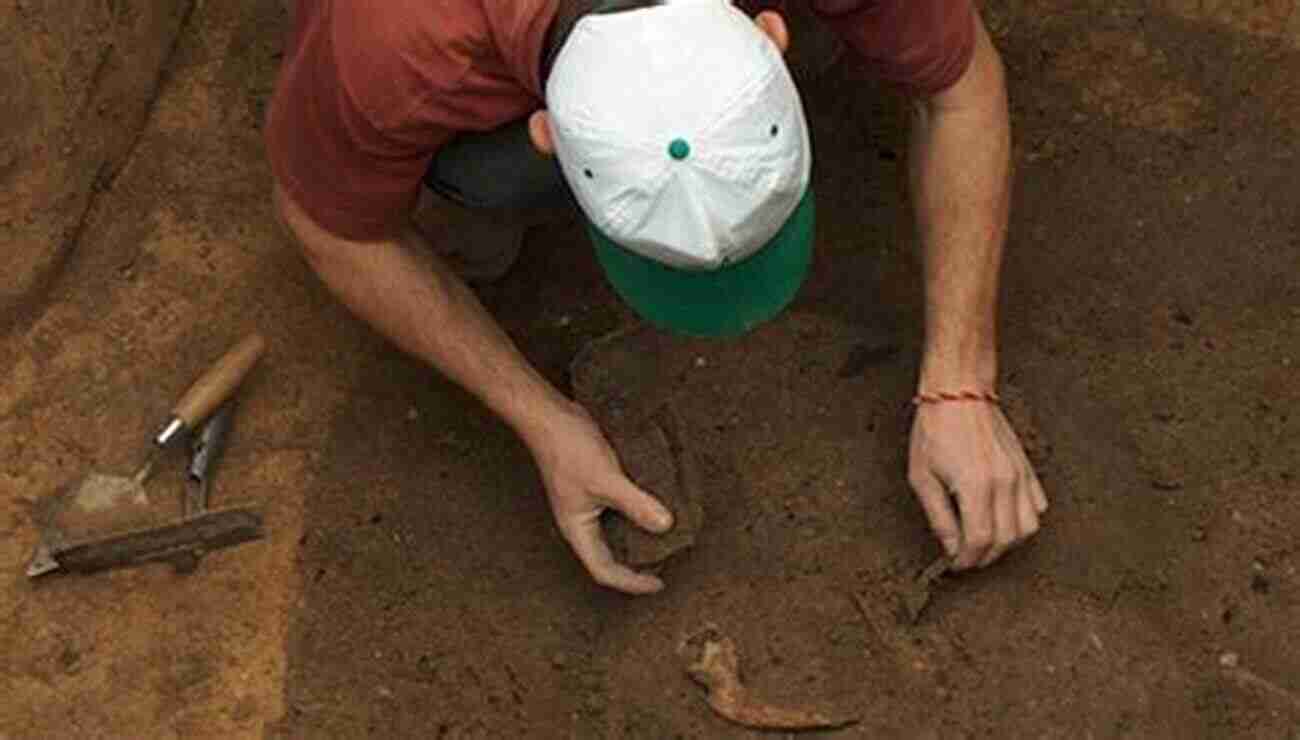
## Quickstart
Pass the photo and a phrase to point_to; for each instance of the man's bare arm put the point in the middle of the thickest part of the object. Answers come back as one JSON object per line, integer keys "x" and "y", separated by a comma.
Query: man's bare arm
{"x": 400, "y": 287}
{"x": 961, "y": 182}
{"x": 960, "y": 173}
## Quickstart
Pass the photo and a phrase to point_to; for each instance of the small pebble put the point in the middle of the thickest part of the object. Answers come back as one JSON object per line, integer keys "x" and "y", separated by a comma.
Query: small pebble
{"x": 1229, "y": 660}
{"x": 412, "y": 414}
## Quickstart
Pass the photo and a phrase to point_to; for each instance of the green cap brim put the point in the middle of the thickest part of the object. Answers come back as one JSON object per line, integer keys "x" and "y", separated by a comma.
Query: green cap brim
{"x": 725, "y": 302}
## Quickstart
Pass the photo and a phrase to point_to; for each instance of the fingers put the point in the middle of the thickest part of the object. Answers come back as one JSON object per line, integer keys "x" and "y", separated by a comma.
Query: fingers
{"x": 978, "y": 521}
{"x": 938, "y": 509}
{"x": 584, "y": 536}
{"x": 1012, "y": 518}
{"x": 1027, "y": 509}
{"x": 984, "y": 465}
{"x": 993, "y": 523}
{"x": 1039, "y": 496}
{"x": 1006, "y": 520}
{"x": 641, "y": 508}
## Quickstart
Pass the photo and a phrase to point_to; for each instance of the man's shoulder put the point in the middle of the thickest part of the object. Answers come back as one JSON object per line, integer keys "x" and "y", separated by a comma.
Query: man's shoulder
{"x": 923, "y": 46}
{"x": 441, "y": 45}
{"x": 841, "y": 7}
{"x": 432, "y": 32}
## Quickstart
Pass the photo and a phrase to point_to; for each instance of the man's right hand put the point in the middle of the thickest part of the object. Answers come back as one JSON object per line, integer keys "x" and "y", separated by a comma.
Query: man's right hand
{"x": 403, "y": 289}
{"x": 583, "y": 478}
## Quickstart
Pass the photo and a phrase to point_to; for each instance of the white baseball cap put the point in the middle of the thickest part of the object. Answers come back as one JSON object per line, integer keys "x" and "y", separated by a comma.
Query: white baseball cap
{"x": 683, "y": 138}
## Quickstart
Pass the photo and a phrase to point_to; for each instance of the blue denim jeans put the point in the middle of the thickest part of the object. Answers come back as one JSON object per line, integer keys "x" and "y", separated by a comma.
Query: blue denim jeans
{"x": 498, "y": 169}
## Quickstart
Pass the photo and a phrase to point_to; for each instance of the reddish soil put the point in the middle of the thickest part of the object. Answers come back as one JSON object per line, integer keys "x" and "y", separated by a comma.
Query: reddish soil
{"x": 412, "y": 584}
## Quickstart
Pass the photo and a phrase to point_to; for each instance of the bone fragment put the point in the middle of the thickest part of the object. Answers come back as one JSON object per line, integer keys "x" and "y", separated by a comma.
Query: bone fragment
{"x": 718, "y": 670}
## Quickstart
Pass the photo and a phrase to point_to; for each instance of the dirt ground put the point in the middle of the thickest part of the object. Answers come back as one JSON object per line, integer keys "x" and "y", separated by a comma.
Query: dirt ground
{"x": 412, "y": 584}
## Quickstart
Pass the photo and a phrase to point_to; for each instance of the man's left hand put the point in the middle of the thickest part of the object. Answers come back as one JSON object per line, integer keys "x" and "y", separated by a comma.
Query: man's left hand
{"x": 968, "y": 451}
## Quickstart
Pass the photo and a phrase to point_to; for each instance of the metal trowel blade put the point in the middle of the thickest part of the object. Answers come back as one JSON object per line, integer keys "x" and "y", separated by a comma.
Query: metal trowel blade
{"x": 42, "y": 562}
{"x": 96, "y": 507}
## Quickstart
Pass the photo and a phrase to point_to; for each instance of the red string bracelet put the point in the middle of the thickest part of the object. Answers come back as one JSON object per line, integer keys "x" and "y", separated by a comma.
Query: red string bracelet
{"x": 942, "y": 397}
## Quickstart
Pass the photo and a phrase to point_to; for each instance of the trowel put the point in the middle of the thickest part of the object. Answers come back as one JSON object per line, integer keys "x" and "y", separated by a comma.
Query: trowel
{"x": 106, "y": 521}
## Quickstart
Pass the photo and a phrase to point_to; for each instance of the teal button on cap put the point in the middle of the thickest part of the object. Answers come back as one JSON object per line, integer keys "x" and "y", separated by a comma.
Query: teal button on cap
{"x": 679, "y": 149}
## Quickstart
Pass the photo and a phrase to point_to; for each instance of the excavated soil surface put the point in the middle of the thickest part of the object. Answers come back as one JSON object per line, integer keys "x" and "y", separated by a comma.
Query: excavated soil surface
{"x": 412, "y": 584}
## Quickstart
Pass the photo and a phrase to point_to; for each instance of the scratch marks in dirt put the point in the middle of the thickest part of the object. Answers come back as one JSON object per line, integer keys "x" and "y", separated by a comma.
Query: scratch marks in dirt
{"x": 1246, "y": 678}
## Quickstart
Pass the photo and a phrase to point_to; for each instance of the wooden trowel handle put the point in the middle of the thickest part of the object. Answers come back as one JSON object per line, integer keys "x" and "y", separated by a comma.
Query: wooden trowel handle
{"x": 220, "y": 381}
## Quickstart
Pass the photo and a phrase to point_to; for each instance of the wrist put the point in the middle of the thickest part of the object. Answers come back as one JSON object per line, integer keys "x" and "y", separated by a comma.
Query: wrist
{"x": 956, "y": 372}
{"x": 967, "y": 396}
{"x": 535, "y": 420}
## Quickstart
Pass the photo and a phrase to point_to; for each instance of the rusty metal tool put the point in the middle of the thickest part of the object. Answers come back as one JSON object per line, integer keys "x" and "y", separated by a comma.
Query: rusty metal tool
{"x": 107, "y": 521}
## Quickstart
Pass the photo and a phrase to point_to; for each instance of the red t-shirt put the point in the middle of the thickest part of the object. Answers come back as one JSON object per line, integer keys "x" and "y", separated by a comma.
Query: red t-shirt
{"x": 368, "y": 92}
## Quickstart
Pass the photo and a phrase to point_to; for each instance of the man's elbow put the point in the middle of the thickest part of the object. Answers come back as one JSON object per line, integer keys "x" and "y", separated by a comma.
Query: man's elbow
{"x": 994, "y": 82}
{"x": 281, "y": 207}
{"x": 301, "y": 230}
{"x": 983, "y": 84}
